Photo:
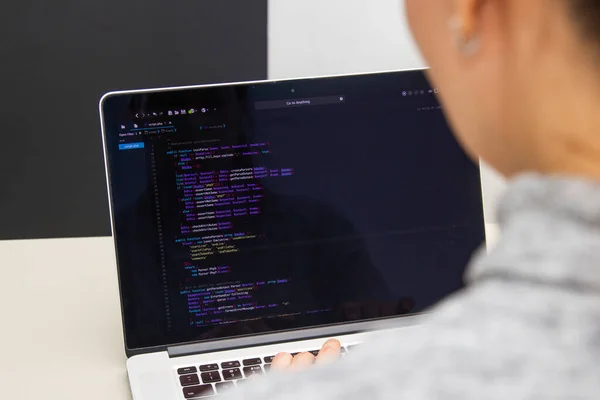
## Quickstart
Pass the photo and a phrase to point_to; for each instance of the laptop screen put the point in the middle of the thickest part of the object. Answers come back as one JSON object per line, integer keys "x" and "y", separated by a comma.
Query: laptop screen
{"x": 254, "y": 208}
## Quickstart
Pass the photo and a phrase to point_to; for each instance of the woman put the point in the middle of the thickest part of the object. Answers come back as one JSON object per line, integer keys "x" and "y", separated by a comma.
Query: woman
{"x": 520, "y": 82}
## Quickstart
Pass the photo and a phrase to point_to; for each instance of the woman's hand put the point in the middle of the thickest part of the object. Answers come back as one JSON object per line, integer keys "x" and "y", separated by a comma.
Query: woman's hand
{"x": 329, "y": 353}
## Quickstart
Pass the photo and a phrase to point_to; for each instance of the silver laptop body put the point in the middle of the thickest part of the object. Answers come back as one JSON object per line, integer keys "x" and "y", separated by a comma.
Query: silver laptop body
{"x": 260, "y": 217}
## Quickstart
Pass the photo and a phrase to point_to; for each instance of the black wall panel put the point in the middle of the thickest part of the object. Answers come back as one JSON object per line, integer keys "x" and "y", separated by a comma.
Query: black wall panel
{"x": 58, "y": 58}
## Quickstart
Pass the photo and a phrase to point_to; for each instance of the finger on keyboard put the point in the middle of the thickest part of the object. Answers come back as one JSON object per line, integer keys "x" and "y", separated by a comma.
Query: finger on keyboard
{"x": 282, "y": 361}
{"x": 302, "y": 361}
{"x": 330, "y": 352}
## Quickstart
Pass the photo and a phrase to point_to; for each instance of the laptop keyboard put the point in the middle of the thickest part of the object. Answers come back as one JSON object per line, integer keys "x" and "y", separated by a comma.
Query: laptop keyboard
{"x": 200, "y": 381}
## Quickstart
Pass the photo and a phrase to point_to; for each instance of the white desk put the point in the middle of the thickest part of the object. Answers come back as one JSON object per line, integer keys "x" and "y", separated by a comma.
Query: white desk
{"x": 61, "y": 329}
{"x": 61, "y": 325}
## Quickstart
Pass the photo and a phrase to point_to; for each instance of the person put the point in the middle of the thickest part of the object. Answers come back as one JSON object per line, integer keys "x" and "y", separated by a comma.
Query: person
{"x": 520, "y": 84}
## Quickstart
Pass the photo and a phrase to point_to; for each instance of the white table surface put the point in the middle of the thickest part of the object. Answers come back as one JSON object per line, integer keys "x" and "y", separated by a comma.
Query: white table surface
{"x": 61, "y": 331}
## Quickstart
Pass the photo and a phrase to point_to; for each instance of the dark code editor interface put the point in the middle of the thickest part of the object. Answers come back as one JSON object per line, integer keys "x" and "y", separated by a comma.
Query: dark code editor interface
{"x": 267, "y": 207}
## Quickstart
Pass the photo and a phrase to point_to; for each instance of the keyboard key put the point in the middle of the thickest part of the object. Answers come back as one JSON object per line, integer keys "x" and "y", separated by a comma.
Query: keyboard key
{"x": 267, "y": 367}
{"x": 210, "y": 377}
{"x": 223, "y": 386}
{"x": 252, "y": 361}
{"x": 254, "y": 370}
{"x": 240, "y": 381}
{"x": 209, "y": 367}
{"x": 189, "y": 380}
{"x": 186, "y": 370}
{"x": 269, "y": 359}
{"x": 232, "y": 373}
{"x": 230, "y": 364}
{"x": 198, "y": 391}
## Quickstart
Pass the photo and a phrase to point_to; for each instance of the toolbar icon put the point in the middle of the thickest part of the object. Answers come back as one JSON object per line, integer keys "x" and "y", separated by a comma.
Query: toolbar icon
{"x": 176, "y": 112}
{"x": 170, "y": 113}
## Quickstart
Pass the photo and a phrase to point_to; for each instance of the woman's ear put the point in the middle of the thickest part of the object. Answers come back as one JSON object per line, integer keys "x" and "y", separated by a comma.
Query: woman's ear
{"x": 464, "y": 25}
{"x": 467, "y": 15}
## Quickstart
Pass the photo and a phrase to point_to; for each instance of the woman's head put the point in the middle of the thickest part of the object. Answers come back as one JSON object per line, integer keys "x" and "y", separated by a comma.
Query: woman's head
{"x": 519, "y": 79}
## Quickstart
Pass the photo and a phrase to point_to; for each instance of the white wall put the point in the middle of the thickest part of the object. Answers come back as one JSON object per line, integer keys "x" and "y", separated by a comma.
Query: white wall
{"x": 323, "y": 37}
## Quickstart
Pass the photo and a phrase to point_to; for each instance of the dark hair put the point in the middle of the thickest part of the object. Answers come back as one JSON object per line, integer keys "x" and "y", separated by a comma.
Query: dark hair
{"x": 587, "y": 14}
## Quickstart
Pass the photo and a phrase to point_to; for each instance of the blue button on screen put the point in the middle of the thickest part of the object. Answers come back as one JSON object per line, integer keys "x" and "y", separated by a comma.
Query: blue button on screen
{"x": 131, "y": 146}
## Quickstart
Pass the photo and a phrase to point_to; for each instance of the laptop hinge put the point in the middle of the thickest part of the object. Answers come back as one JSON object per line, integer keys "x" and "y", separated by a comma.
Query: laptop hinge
{"x": 287, "y": 337}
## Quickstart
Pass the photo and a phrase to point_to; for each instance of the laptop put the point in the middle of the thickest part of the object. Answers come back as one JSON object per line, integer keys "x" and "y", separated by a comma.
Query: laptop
{"x": 260, "y": 217}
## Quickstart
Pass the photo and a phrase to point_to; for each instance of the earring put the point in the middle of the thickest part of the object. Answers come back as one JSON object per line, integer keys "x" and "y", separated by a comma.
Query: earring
{"x": 469, "y": 46}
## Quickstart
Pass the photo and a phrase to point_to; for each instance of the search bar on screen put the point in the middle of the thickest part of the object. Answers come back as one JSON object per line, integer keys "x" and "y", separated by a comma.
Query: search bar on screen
{"x": 294, "y": 103}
